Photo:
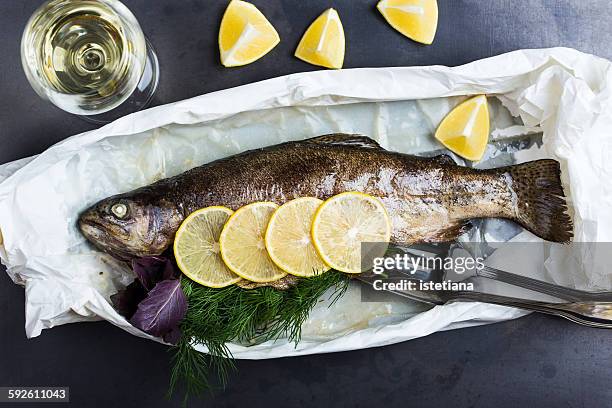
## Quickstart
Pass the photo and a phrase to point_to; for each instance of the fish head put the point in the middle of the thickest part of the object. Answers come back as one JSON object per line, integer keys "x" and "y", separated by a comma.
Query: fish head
{"x": 131, "y": 225}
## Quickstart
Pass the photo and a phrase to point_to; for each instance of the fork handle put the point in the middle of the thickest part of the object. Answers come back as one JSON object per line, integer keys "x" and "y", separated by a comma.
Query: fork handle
{"x": 594, "y": 314}
{"x": 561, "y": 292}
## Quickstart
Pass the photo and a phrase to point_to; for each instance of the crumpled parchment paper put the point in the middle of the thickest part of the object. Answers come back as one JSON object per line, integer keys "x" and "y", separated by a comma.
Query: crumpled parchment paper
{"x": 561, "y": 92}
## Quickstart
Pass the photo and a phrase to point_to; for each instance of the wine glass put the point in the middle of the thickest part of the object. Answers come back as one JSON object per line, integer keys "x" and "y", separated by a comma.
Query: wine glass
{"x": 90, "y": 58}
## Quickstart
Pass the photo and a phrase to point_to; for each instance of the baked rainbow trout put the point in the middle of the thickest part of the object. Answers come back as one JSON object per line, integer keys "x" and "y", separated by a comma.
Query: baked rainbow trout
{"x": 428, "y": 199}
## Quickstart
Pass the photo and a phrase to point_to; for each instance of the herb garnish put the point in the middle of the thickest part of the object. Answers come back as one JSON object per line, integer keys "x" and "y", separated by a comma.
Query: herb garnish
{"x": 216, "y": 317}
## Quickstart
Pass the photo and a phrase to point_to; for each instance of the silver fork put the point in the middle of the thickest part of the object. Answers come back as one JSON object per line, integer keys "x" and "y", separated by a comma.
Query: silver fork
{"x": 560, "y": 292}
{"x": 592, "y": 309}
{"x": 592, "y": 314}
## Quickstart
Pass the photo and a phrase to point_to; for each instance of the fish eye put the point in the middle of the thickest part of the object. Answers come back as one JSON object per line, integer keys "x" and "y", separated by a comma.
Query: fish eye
{"x": 119, "y": 210}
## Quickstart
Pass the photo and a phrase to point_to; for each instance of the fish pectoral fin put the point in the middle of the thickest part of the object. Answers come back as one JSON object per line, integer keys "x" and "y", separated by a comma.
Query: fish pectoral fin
{"x": 343, "y": 139}
{"x": 450, "y": 233}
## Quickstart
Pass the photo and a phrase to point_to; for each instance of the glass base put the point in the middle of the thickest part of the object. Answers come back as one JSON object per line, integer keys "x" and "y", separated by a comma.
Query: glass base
{"x": 140, "y": 98}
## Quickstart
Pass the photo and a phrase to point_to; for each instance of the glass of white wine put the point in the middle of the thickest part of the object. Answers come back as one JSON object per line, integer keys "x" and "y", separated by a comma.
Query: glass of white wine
{"x": 90, "y": 58}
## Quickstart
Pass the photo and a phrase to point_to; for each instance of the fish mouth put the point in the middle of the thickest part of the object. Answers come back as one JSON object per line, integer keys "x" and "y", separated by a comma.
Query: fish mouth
{"x": 100, "y": 236}
{"x": 92, "y": 230}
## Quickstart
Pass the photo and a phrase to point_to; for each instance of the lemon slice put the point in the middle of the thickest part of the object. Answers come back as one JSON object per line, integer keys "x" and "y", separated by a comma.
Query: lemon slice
{"x": 243, "y": 247}
{"x": 465, "y": 130}
{"x": 245, "y": 34}
{"x": 345, "y": 221}
{"x": 416, "y": 19}
{"x": 196, "y": 248}
{"x": 288, "y": 238}
{"x": 323, "y": 42}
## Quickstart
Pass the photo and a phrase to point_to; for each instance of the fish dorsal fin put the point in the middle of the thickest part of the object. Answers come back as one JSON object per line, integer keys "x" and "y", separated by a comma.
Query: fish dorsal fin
{"x": 444, "y": 159}
{"x": 343, "y": 139}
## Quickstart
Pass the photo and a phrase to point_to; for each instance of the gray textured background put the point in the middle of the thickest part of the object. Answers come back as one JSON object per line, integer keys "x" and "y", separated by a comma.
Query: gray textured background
{"x": 533, "y": 361}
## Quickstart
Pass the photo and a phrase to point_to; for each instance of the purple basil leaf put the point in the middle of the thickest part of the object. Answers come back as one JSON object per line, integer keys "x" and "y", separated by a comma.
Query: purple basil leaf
{"x": 162, "y": 310}
{"x": 152, "y": 270}
{"x": 126, "y": 301}
{"x": 170, "y": 270}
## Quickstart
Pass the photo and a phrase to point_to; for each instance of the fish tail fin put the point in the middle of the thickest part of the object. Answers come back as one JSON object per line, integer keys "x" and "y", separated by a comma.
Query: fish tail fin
{"x": 541, "y": 207}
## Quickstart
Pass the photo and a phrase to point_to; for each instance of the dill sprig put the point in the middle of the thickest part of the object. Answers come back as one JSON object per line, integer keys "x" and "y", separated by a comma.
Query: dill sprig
{"x": 216, "y": 317}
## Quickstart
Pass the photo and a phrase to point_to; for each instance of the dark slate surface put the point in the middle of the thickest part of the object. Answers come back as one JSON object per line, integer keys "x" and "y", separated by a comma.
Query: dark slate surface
{"x": 533, "y": 361}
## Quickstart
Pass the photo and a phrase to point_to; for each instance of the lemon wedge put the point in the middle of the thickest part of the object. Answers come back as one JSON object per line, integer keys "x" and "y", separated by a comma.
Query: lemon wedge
{"x": 288, "y": 238}
{"x": 245, "y": 34}
{"x": 343, "y": 223}
{"x": 323, "y": 42}
{"x": 465, "y": 130}
{"x": 196, "y": 248}
{"x": 416, "y": 19}
{"x": 243, "y": 246}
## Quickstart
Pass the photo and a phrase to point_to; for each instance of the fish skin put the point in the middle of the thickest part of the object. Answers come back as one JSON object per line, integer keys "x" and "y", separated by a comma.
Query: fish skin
{"x": 428, "y": 199}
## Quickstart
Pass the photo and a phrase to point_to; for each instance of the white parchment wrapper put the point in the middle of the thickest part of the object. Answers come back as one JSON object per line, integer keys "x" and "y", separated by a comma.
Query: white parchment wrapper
{"x": 561, "y": 92}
